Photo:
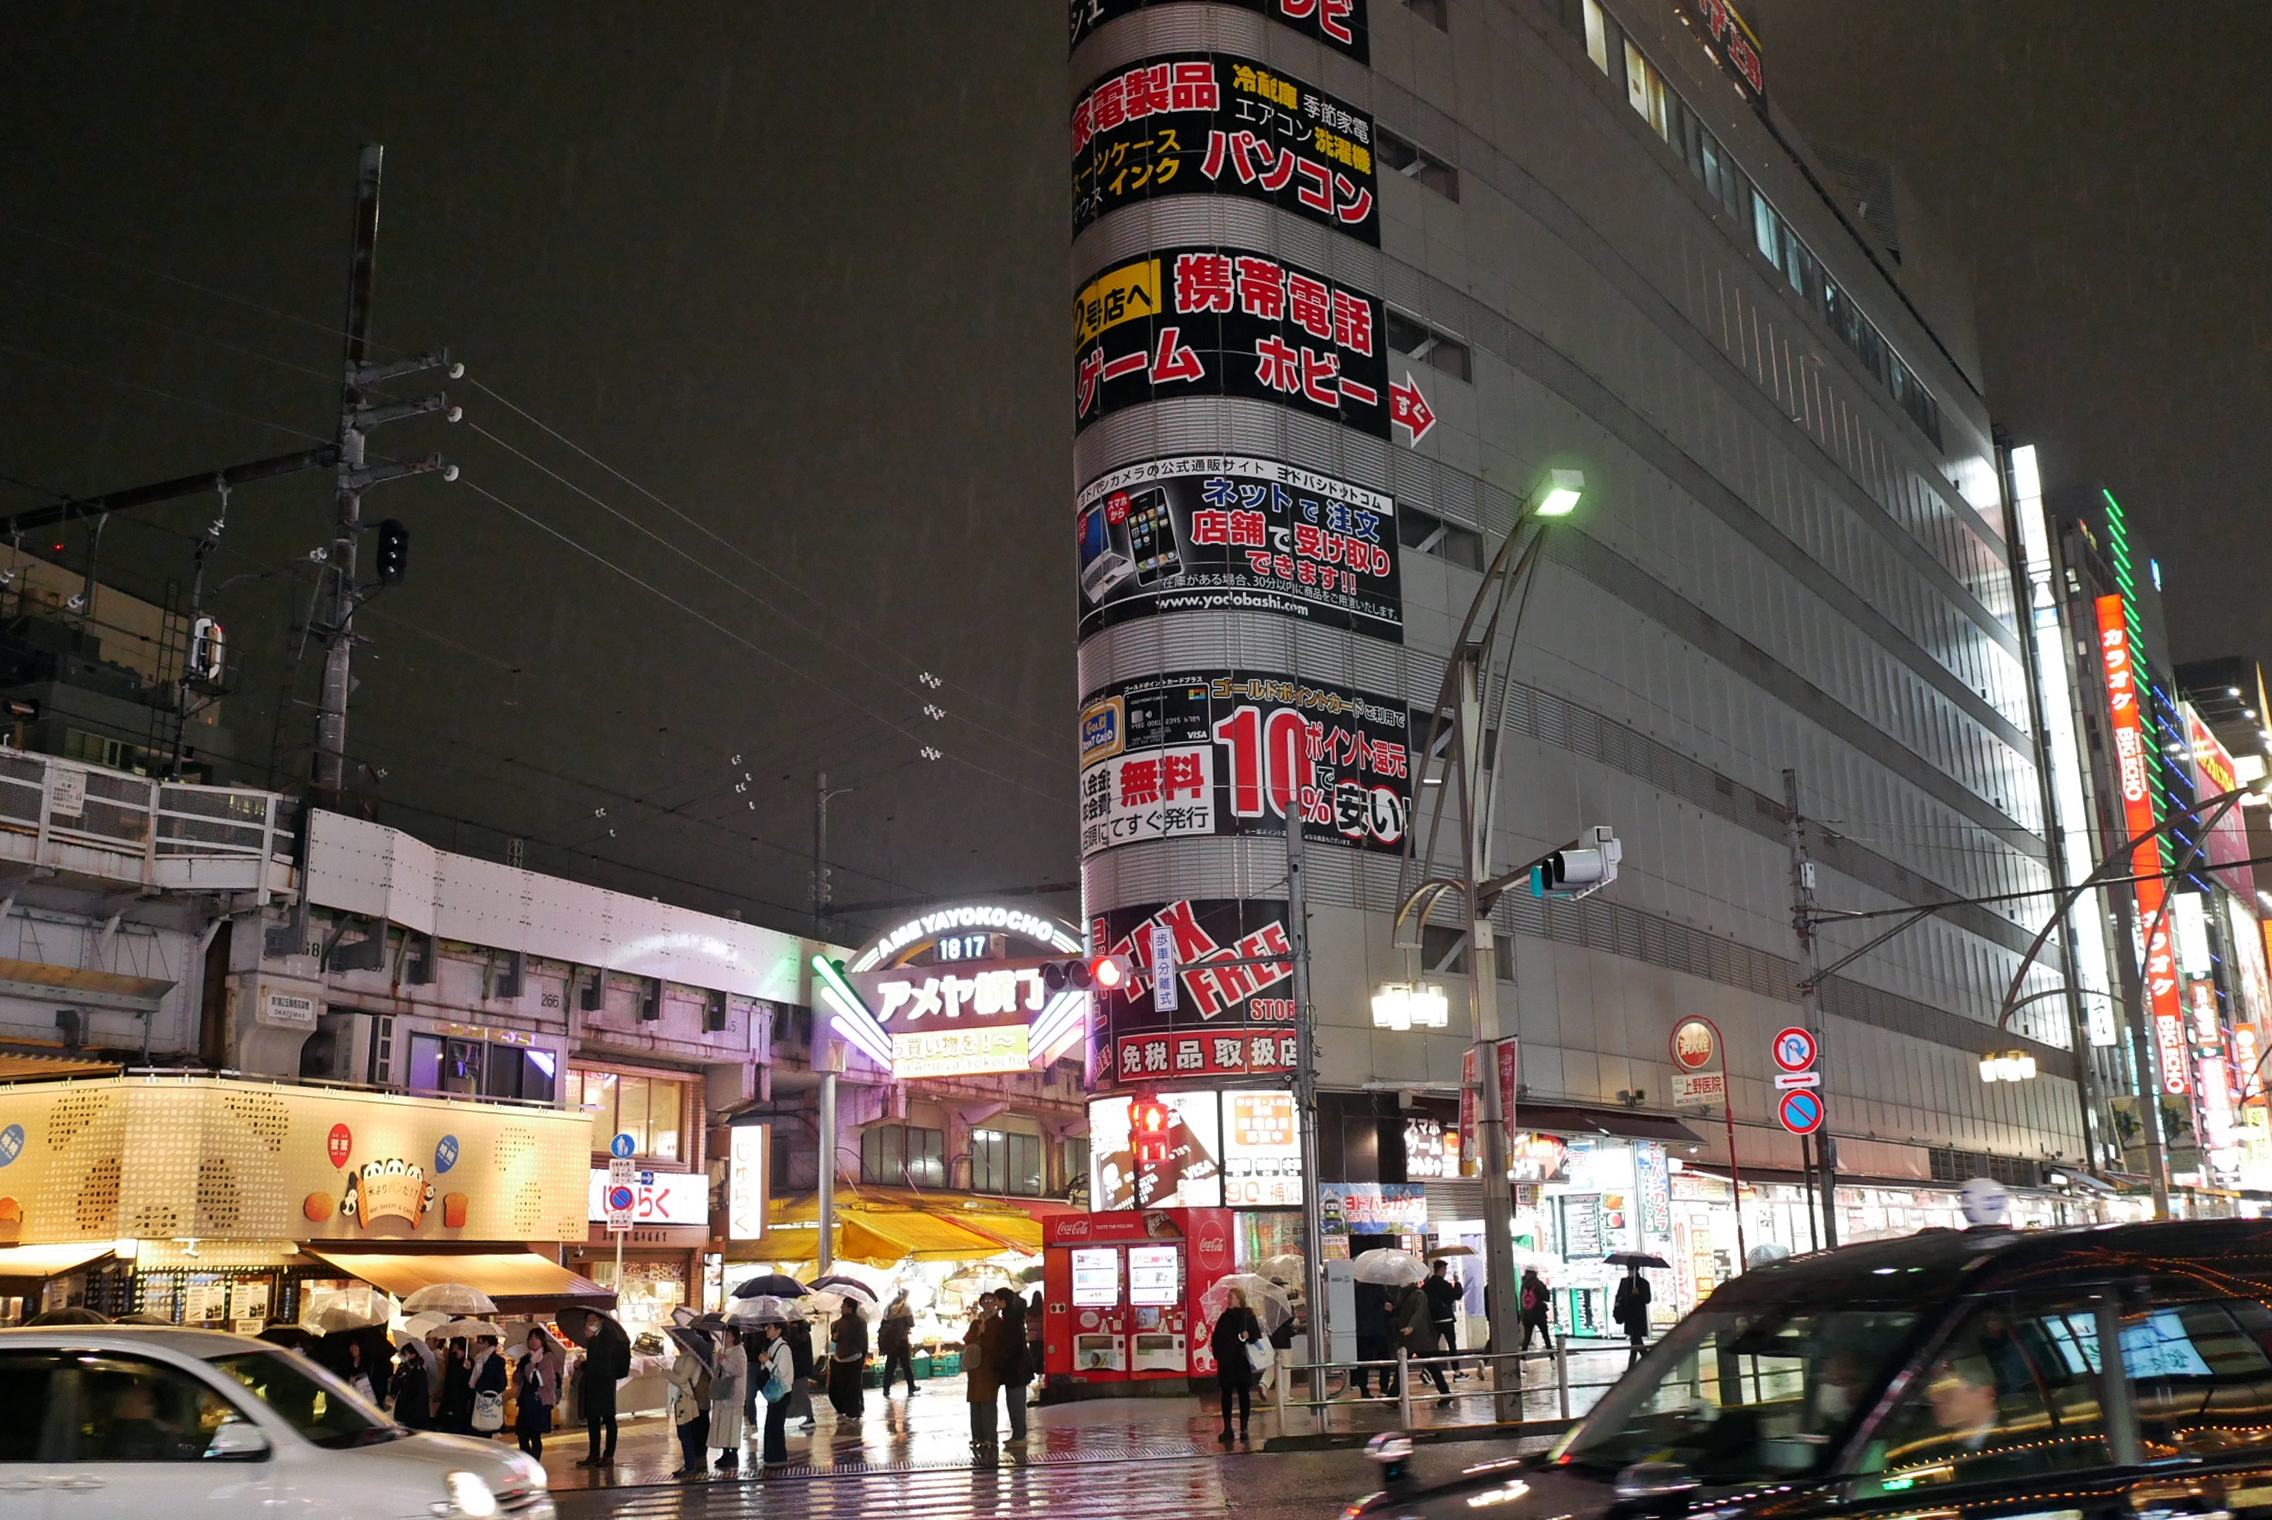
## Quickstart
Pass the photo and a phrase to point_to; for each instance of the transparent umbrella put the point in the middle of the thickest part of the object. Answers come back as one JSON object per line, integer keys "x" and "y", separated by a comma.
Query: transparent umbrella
{"x": 763, "y": 1309}
{"x": 455, "y": 1298}
{"x": 1393, "y": 1268}
{"x": 333, "y": 1310}
{"x": 1288, "y": 1267}
{"x": 1267, "y": 1299}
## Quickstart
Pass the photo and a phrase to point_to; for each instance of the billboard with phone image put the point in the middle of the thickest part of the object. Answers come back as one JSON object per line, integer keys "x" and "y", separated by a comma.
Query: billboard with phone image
{"x": 1222, "y": 532}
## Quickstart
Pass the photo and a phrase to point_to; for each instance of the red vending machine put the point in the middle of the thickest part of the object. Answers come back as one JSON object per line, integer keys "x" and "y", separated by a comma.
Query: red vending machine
{"x": 1120, "y": 1299}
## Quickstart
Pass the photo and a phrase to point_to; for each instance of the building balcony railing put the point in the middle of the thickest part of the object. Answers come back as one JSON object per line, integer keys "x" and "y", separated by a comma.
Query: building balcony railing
{"x": 85, "y": 821}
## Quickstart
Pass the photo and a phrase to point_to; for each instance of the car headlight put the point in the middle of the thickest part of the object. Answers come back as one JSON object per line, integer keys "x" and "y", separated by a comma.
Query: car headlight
{"x": 532, "y": 1470}
{"x": 469, "y": 1496}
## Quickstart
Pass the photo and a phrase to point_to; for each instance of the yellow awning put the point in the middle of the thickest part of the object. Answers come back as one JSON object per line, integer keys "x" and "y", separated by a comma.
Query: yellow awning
{"x": 50, "y": 1261}
{"x": 521, "y": 1282}
{"x": 883, "y": 1236}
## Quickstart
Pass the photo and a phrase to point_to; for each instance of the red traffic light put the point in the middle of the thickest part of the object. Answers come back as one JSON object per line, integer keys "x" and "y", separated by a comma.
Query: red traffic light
{"x": 1148, "y": 1126}
{"x": 1110, "y": 973}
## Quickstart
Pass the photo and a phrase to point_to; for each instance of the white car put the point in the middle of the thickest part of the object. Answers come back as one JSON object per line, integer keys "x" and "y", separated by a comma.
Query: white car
{"x": 116, "y": 1422}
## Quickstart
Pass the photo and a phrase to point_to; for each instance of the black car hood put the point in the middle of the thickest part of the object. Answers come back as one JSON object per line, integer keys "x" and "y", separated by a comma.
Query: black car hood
{"x": 1509, "y": 1490}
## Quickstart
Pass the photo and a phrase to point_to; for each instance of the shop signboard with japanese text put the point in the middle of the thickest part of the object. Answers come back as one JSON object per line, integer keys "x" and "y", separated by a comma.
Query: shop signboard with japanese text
{"x": 1262, "y": 1150}
{"x": 1198, "y": 753}
{"x": 1339, "y": 24}
{"x": 1372, "y": 1208}
{"x": 1197, "y": 124}
{"x": 1229, "y": 322}
{"x": 1234, "y": 1019}
{"x": 2126, "y": 690}
{"x": 1212, "y": 532}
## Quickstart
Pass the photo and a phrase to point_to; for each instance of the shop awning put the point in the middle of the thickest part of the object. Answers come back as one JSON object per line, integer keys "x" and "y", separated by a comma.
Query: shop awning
{"x": 881, "y": 1230}
{"x": 27, "y": 1066}
{"x": 1624, "y": 1123}
{"x": 26, "y": 1262}
{"x": 521, "y": 1282}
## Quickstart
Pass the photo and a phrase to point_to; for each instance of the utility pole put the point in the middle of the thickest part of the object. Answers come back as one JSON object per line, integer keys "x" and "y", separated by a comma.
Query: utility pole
{"x": 2144, "y": 1052}
{"x": 353, "y": 475}
{"x": 1810, "y": 992}
{"x": 821, "y": 794}
{"x": 1305, "y": 1076}
{"x": 1499, "y": 1282}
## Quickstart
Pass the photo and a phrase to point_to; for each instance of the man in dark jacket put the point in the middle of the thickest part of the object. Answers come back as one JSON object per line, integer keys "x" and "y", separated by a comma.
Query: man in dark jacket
{"x": 1016, "y": 1367}
{"x": 1416, "y": 1333}
{"x": 1537, "y": 1309}
{"x": 1444, "y": 1297}
{"x": 1631, "y": 1310}
{"x": 607, "y": 1358}
{"x": 1376, "y": 1313}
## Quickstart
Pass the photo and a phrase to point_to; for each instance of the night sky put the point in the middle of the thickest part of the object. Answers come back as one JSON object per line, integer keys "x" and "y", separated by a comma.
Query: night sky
{"x": 765, "y": 303}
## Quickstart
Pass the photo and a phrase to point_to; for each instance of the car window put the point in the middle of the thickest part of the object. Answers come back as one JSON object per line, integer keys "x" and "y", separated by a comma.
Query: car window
{"x": 125, "y": 1409}
{"x": 25, "y": 1377}
{"x": 2014, "y": 1393}
{"x": 2203, "y": 1374}
{"x": 320, "y": 1406}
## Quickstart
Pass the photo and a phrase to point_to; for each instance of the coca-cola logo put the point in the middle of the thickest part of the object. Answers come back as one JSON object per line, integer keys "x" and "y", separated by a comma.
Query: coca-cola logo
{"x": 1214, "y": 1245}
{"x": 1072, "y": 1229}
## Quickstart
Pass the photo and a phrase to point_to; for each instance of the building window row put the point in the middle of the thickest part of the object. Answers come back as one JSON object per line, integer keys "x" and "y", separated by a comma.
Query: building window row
{"x": 1005, "y": 1162}
{"x": 1416, "y": 163}
{"x": 903, "y": 1155}
{"x": 1430, "y": 534}
{"x": 650, "y": 1109}
{"x": 1669, "y": 116}
{"x": 1415, "y": 339}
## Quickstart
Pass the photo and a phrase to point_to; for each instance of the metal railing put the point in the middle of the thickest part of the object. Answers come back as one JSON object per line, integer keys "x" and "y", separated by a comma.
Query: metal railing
{"x": 1505, "y": 1376}
{"x": 60, "y": 815}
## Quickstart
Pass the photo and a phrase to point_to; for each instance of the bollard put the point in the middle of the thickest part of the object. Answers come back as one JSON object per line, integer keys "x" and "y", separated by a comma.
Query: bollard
{"x": 1286, "y": 1391}
{"x": 1404, "y": 1387}
{"x": 1562, "y": 1373}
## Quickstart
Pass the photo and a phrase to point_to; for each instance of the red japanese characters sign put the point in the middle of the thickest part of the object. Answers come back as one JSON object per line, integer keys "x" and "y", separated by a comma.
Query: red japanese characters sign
{"x": 1339, "y": 24}
{"x": 1731, "y": 42}
{"x": 1234, "y": 1008}
{"x": 1233, "y": 752}
{"x": 1200, "y": 124}
{"x": 1224, "y": 532}
{"x": 1221, "y": 322}
{"x": 2124, "y": 691}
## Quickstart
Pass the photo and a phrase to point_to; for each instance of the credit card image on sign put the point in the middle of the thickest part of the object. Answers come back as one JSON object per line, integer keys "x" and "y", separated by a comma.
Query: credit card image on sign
{"x": 1102, "y": 566}
{"x": 1151, "y": 537}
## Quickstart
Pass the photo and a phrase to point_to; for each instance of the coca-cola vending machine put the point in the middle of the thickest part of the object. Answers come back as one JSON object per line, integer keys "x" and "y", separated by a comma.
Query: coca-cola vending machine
{"x": 1120, "y": 1299}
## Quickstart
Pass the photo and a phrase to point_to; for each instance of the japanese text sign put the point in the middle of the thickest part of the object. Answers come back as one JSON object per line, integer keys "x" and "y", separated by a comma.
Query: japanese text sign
{"x": 1210, "y": 532}
{"x": 2125, "y": 689}
{"x": 1223, "y": 322}
{"x": 1731, "y": 42}
{"x": 1339, "y": 24}
{"x": 1196, "y": 124}
{"x": 1233, "y": 752}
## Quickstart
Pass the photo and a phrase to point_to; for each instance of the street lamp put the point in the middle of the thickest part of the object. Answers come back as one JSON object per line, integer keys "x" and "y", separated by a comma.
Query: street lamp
{"x": 1401, "y": 1006}
{"x": 1558, "y": 493}
{"x": 2007, "y": 1066}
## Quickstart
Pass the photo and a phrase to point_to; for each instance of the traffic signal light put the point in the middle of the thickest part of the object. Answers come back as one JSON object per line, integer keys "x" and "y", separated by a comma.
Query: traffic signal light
{"x": 1148, "y": 1129}
{"x": 1093, "y": 973}
{"x": 394, "y": 552}
{"x": 1579, "y": 872}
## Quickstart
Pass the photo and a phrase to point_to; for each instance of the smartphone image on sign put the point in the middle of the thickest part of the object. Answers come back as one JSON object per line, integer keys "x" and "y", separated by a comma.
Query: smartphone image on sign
{"x": 1151, "y": 538}
{"x": 1102, "y": 566}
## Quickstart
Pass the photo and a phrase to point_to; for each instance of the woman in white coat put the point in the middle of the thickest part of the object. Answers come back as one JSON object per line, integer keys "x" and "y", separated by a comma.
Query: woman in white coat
{"x": 726, "y": 1398}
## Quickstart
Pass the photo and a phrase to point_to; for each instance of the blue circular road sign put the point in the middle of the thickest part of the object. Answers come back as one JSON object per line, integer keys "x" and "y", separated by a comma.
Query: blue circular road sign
{"x": 623, "y": 1146}
{"x": 1800, "y": 1111}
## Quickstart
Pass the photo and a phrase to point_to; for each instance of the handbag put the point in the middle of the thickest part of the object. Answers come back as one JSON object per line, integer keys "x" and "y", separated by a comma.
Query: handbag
{"x": 488, "y": 1412}
{"x": 1260, "y": 1354}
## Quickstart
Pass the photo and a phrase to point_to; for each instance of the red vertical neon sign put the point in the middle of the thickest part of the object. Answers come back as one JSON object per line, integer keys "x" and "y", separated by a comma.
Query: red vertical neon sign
{"x": 2130, "y": 741}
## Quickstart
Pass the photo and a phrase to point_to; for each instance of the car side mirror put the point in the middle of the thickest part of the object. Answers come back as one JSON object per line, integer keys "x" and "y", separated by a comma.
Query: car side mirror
{"x": 1656, "y": 1485}
{"x": 237, "y": 1441}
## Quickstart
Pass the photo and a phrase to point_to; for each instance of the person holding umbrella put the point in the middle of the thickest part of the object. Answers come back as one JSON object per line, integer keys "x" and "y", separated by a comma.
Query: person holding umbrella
{"x": 1236, "y": 1328}
{"x": 1631, "y": 1308}
{"x": 1016, "y": 1369}
{"x": 607, "y": 1359}
{"x": 777, "y": 1367}
{"x": 732, "y": 1376}
{"x": 689, "y": 1383}
{"x": 413, "y": 1399}
{"x": 1416, "y": 1335}
{"x": 981, "y": 1363}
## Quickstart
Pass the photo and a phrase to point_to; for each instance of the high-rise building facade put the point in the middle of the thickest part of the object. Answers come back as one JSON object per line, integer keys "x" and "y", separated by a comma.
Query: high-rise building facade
{"x": 1351, "y": 277}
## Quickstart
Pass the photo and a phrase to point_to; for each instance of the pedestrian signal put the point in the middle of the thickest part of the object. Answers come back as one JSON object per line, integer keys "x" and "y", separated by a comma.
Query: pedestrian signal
{"x": 1148, "y": 1128}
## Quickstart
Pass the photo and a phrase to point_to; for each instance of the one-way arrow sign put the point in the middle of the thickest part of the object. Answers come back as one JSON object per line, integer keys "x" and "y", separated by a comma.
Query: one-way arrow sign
{"x": 1408, "y": 409}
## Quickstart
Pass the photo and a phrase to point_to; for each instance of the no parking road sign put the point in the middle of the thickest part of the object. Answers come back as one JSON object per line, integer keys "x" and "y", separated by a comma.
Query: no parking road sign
{"x": 1800, "y": 1110}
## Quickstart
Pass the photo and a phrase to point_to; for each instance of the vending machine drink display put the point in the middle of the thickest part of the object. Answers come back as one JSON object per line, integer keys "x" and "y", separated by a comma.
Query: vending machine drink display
{"x": 1120, "y": 1298}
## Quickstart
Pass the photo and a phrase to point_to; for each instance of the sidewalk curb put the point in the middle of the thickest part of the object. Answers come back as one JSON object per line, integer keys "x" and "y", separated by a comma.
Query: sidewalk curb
{"x": 1343, "y": 1440}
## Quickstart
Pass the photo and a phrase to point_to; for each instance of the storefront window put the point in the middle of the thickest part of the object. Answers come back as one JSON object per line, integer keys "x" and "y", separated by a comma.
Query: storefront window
{"x": 649, "y": 1292}
{"x": 1001, "y": 1162}
{"x": 897, "y": 1155}
{"x": 620, "y": 1103}
{"x": 439, "y": 1065}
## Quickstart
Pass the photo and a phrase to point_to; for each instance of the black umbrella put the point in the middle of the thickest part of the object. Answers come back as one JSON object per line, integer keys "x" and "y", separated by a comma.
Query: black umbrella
{"x": 774, "y": 1284}
{"x": 844, "y": 1287}
{"x": 1636, "y": 1259}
